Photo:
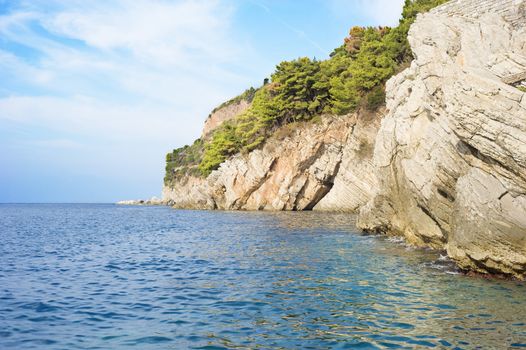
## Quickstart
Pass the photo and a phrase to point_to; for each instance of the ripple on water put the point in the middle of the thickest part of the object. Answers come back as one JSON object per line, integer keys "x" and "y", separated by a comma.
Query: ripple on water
{"x": 101, "y": 276}
{"x": 149, "y": 340}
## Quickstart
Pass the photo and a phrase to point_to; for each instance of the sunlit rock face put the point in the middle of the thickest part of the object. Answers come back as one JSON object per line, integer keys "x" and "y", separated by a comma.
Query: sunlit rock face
{"x": 316, "y": 165}
{"x": 223, "y": 114}
{"x": 450, "y": 154}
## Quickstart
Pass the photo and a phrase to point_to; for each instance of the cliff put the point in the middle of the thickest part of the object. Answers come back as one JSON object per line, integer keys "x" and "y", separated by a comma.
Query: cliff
{"x": 312, "y": 165}
{"x": 223, "y": 114}
{"x": 451, "y": 151}
{"x": 443, "y": 165}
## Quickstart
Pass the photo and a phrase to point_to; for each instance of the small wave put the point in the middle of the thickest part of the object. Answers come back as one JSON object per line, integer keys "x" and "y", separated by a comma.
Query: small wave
{"x": 155, "y": 339}
{"x": 40, "y": 307}
{"x": 112, "y": 266}
{"x": 449, "y": 272}
{"x": 40, "y": 341}
{"x": 444, "y": 266}
{"x": 395, "y": 239}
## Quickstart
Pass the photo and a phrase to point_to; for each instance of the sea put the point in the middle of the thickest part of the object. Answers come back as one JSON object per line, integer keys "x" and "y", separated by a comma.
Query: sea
{"x": 102, "y": 276}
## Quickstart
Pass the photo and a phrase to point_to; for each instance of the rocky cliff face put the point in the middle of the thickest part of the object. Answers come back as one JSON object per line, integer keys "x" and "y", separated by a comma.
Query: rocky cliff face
{"x": 443, "y": 166}
{"x": 295, "y": 170}
{"x": 451, "y": 152}
{"x": 223, "y": 114}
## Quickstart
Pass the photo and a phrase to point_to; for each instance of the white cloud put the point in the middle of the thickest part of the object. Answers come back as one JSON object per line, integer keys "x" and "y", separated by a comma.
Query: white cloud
{"x": 87, "y": 118}
{"x": 165, "y": 32}
{"x": 149, "y": 66}
{"x": 104, "y": 88}
{"x": 55, "y": 144}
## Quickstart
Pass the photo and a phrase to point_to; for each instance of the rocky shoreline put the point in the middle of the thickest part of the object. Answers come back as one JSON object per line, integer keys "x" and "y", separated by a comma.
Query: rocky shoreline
{"x": 443, "y": 165}
{"x": 451, "y": 152}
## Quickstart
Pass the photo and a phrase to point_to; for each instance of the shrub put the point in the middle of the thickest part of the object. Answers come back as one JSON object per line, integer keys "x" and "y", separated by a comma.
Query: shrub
{"x": 247, "y": 95}
{"x": 181, "y": 161}
{"x": 375, "y": 98}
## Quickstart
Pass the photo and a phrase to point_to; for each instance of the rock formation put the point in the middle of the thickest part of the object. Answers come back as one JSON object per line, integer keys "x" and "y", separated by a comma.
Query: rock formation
{"x": 222, "y": 114}
{"x": 151, "y": 201}
{"x": 443, "y": 166}
{"x": 451, "y": 151}
{"x": 294, "y": 170}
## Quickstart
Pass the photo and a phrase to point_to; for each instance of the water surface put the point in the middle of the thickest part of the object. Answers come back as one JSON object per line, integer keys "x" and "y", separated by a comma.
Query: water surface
{"x": 109, "y": 277}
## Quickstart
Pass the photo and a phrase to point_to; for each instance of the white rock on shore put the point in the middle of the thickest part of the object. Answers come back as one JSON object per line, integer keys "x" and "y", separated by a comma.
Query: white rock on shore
{"x": 294, "y": 170}
{"x": 151, "y": 201}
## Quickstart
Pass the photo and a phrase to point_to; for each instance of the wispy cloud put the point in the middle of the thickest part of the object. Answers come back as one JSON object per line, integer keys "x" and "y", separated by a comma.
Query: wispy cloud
{"x": 163, "y": 51}
{"x": 138, "y": 76}
{"x": 86, "y": 117}
{"x": 156, "y": 32}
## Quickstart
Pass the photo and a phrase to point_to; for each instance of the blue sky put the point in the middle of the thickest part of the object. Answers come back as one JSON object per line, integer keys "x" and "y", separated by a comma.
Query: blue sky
{"x": 93, "y": 94}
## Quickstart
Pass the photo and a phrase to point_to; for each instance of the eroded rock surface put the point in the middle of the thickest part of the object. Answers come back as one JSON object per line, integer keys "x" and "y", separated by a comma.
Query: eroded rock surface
{"x": 295, "y": 170}
{"x": 356, "y": 180}
{"x": 223, "y": 114}
{"x": 451, "y": 152}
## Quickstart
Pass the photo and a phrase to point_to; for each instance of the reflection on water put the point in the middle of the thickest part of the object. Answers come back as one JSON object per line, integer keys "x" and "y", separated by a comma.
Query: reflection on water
{"x": 101, "y": 276}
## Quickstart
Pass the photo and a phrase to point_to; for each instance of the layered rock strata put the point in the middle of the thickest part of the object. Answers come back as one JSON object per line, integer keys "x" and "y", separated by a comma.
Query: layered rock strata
{"x": 295, "y": 170}
{"x": 451, "y": 152}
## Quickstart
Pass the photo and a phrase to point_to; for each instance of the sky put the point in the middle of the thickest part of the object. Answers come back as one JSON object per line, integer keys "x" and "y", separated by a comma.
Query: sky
{"x": 93, "y": 94}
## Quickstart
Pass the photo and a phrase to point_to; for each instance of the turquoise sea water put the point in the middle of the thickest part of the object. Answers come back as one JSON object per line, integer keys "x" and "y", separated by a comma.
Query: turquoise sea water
{"x": 109, "y": 277}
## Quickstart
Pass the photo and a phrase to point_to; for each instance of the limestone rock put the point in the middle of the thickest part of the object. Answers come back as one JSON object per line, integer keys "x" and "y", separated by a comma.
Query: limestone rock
{"x": 355, "y": 182}
{"x": 151, "y": 201}
{"x": 491, "y": 236}
{"x": 294, "y": 170}
{"x": 451, "y": 152}
{"x": 223, "y": 114}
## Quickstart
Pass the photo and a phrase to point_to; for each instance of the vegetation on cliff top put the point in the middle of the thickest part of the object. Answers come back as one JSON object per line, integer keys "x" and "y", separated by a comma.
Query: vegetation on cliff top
{"x": 184, "y": 161}
{"x": 247, "y": 95}
{"x": 352, "y": 78}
